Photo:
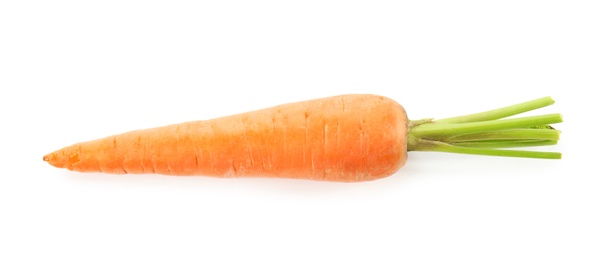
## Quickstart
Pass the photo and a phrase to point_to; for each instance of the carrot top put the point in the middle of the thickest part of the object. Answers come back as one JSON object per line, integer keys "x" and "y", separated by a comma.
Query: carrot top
{"x": 488, "y": 132}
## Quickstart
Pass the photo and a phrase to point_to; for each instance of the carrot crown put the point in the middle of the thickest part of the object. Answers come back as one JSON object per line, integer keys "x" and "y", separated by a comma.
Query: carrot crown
{"x": 487, "y": 133}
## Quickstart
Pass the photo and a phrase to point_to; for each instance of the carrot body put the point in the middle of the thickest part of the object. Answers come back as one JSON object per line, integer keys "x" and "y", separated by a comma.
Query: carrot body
{"x": 343, "y": 138}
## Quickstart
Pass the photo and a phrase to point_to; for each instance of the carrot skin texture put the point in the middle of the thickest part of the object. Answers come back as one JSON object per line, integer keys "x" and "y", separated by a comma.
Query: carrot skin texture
{"x": 345, "y": 138}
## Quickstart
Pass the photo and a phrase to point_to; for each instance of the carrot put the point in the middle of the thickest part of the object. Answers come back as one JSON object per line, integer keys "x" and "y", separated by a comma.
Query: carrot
{"x": 344, "y": 138}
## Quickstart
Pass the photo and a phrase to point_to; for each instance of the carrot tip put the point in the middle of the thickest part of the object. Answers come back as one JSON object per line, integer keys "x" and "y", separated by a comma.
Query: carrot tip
{"x": 53, "y": 160}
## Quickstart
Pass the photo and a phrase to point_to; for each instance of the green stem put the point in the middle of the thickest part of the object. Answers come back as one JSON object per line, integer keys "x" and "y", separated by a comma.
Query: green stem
{"x": 497, "y": 152}
{"x": 446, "y": 129}
{"x": 506, "y": 143}
{"x": 485, "y": 133}
{"x": 541, "y": 134}
{"x": 501, "y": 112}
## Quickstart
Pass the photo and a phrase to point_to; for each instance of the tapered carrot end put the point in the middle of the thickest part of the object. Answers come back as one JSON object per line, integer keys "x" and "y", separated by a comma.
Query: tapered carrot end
{"x": 56, "y": 159}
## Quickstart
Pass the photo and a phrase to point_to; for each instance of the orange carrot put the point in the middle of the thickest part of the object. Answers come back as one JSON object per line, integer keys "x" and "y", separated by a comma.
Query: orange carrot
{"x": 343, "y": 138}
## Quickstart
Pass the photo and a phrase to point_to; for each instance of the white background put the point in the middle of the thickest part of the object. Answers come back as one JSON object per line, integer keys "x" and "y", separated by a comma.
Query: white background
{"x": 72, "y": 71}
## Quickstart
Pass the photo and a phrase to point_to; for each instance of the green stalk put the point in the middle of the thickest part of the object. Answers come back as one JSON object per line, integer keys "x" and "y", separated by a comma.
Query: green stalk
{"x": 505, "y": 143}
{"x": 501, "y": 112}
{"x": 486, "y": 133}
{"x": 497, "y": 152}
{"x": 440, "y": 129}
{"x": 522, "y": 133}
